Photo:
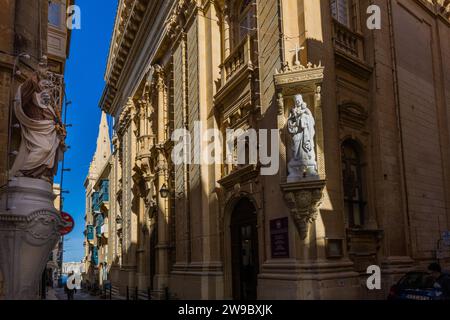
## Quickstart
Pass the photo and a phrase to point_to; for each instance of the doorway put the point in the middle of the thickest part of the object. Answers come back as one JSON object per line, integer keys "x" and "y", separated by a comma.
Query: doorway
{"x": 244, "y": 244}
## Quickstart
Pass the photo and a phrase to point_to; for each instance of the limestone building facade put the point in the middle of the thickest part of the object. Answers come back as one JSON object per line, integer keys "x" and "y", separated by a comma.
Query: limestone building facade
{"x": 33, "y": 35}
{"x": 380, "y": 99}
{"x": 96, "y": 266}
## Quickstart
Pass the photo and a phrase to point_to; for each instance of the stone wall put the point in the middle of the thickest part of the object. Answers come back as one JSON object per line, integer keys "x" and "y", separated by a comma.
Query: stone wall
{"x": 6, "y": 61}
{"x": 424, "y": 123}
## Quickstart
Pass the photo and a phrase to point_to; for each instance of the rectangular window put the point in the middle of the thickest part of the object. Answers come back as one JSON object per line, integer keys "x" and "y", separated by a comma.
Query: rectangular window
{"x": 55, "y": 13}
{"x": 340, "y": 10}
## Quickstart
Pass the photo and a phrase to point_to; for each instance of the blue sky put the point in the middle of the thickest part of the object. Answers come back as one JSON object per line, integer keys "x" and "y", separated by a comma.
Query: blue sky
{"x": 84, "y": 86}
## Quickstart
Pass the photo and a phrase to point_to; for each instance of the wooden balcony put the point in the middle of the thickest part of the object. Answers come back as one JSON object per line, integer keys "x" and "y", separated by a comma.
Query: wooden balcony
{"x": 347, "y": 41}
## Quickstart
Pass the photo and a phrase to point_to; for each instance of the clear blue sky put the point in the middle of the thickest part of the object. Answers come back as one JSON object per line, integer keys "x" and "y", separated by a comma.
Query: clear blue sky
{"x": 84, "y": 85}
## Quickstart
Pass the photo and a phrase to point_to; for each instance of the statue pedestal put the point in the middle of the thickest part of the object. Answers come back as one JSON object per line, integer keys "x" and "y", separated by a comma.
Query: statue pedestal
{"x": 303, "y": 199}
{"x": 29, "y": 231}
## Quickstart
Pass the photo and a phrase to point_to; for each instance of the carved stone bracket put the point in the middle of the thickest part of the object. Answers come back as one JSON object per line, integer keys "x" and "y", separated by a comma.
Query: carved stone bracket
{"x": 303, "y": 200}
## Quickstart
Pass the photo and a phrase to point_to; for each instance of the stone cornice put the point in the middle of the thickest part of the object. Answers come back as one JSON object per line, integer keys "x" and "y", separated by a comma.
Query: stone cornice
{"x": 130, "y": 14}
{"x": 126, "y": 70}
{"x": 180, "y": 16}
{"x": 439, "y": 8}
{"x": 128, "y": 19}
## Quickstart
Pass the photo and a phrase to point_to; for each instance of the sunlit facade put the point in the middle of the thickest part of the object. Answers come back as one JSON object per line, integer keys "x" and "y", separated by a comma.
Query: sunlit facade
{"x": 380, "y": 100}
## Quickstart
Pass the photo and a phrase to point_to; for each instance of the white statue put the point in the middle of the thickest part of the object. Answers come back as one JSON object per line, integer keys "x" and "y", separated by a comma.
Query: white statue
{"x": 42, "y": 132}
{"x": 301, "y": 126}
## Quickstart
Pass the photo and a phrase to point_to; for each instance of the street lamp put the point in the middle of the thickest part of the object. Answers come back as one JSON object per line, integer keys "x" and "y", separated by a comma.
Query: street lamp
{"x": 164, "y": 191}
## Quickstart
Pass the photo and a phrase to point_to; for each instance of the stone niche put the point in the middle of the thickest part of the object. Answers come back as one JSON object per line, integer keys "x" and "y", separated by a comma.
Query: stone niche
{"x": 304, "y": 180}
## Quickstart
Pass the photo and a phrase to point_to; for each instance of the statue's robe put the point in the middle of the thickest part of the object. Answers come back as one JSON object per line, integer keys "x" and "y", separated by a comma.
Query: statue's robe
{"x": 303, "y": 131}
{"x": 40, "y": 144}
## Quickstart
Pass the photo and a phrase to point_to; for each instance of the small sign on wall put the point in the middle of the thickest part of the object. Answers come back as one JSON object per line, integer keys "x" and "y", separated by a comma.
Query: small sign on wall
{"x": 279, "y": 238}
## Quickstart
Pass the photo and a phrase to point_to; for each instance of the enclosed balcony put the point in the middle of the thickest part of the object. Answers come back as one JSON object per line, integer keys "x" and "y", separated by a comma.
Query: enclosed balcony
{"x": 98, "y": 231}
{"x": 90, "y": 233}
{"x": 101, "y": 197}
{"x": 96, "y": 202}
{"x": 94, "y": 256}
{"x": 99, "y": 222}
{"x": 104, "y": 192}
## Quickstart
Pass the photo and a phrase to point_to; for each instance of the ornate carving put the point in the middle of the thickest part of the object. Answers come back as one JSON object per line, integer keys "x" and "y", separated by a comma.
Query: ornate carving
{"x": 37, "y": 107}
{"x": 280, "y": 102}
{"x": 28, "y": 233}
{"x": 303, "y": 200}
{"x": 181, "y": 13}
{"x": 353, "y": 115}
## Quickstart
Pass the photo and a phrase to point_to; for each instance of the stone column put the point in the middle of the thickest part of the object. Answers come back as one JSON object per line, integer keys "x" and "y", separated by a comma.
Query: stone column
{"x": 162, "y": 267}
{"x": 29, "y": 230}
{"x": 226, "y": 32}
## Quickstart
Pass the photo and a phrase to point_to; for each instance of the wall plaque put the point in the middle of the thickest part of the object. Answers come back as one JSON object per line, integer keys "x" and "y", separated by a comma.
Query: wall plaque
{"x": 279, "y": 238}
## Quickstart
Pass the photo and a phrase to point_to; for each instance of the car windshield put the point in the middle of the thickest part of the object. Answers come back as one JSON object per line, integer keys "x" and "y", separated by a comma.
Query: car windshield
{"x": 416, "y": 281}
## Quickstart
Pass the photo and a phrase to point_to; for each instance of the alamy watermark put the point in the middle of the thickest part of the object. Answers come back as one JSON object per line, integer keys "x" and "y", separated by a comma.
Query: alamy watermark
{"x": 374, "y": 280}
{"x": 238, "y": 147}
{"x": 374, "y": 19}
{"x": 73, "y": 21}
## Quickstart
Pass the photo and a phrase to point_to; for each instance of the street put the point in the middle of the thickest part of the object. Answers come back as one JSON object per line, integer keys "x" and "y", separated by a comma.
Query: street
{"x": 59, "y": 294}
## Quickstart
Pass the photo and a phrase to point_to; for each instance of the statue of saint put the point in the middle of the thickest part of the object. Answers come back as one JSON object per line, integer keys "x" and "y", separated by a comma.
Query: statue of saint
{"x": 301, "y": 126}
{"x": 42, "y": 131}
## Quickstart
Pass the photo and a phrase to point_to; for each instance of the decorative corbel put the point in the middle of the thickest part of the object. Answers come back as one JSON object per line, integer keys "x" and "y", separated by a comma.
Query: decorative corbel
{"x": 303, "y": 200}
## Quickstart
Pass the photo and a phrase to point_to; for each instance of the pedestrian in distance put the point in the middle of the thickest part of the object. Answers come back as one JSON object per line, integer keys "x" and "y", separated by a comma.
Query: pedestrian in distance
{"x": 70, "y": 289}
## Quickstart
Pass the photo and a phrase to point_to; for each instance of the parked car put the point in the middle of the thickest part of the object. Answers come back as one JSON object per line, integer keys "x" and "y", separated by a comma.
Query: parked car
{"x": 415, "y": 286}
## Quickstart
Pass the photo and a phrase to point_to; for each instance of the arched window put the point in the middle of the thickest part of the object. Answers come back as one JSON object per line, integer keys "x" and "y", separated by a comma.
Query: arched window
{"x": 352, "y": 173}
{"x": 341, "y": 11}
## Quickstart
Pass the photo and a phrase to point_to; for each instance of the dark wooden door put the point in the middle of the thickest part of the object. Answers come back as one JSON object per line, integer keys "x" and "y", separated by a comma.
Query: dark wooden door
{"x": 244, "y": 243}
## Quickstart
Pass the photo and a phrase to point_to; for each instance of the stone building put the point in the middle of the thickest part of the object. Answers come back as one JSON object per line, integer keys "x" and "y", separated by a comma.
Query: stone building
{"x": 34, "y": 42}
{"x": 53, "y": 268}
{"x": 96, "y": 267}
{"x": 375, "y": 191}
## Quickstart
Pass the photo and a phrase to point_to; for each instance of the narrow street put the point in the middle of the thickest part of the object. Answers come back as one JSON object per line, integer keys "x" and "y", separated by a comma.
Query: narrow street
{"x": 59, "y": 294}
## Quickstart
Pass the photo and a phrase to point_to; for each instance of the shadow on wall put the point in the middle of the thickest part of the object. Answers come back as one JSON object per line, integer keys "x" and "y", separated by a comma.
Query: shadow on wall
{"x": 1, "y": 285}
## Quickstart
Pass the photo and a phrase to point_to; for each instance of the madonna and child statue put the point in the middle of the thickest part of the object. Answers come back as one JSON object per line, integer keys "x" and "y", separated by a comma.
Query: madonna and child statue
{"x": 301, "y": 126}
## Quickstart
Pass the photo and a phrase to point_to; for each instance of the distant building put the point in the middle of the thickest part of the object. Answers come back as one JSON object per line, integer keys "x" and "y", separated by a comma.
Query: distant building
{"x": 75, "y": 267}
{"x": 96, "y": 263}
{"x": 33, "y": 35}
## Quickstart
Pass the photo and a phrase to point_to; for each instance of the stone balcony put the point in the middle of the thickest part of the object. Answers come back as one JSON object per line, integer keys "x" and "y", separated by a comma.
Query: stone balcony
{"x": 237, "y": 62}
{"x": 236, "y": 68}
{"x": 347, "y": 41}
{"x": 236, "y": 85}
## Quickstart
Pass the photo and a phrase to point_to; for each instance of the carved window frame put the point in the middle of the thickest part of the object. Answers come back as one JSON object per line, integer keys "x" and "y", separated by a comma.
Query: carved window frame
{"x": 352, "y": 15}
{"x": 361, "y": 200}
{"x": 243, "y": 9}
